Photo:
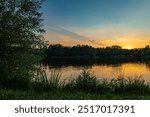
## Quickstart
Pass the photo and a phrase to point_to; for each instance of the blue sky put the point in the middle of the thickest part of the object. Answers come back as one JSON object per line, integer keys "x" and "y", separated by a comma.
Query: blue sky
{"x": 107, "y": 22}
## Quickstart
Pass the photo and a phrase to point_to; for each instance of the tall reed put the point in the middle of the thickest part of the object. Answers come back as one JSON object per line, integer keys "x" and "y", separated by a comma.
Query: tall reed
{"x": 88, "y": 82}
{"x": 44, "y": 82}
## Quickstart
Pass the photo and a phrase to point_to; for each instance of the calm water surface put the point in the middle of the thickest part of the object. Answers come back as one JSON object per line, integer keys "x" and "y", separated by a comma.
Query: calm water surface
{"x": 101, "y": 69}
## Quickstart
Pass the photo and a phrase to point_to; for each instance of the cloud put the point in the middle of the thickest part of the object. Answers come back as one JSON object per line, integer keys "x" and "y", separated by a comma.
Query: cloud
{"x": 61, "y": 39}
{"x": 96, "y": 43}
{"x": 59, "y": 30}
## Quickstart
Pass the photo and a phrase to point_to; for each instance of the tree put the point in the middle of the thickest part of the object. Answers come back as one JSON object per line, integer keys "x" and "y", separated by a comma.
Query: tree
{"x": 20, "y": 35}
{"x": 147, "y": 46}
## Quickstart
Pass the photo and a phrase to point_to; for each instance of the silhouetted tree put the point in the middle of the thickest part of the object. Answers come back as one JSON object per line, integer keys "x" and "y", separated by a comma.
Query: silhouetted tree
{"x": 20, "y": 34}
{"x": 85, "y": 51}
{"x": 147, "y": 46}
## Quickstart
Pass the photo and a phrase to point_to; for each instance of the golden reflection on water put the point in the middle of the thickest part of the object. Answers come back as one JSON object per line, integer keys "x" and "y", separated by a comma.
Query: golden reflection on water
{"x": 105, "y": 71}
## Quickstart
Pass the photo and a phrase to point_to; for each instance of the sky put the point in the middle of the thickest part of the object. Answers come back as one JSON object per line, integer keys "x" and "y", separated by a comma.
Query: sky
{"x": 98, "y": 23}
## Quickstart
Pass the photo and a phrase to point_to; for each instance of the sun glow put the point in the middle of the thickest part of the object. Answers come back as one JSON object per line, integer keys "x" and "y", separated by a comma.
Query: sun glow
{"x": 128, "y": 47}
{"x": 125, "y": 42}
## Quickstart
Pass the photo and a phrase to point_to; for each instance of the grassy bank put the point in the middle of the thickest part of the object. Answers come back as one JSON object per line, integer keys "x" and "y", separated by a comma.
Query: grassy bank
{"x": 84, "y": 86}
{"x": 59, "y": 95}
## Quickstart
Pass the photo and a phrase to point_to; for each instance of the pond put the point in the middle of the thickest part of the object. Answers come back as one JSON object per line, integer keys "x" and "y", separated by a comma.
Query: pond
{"x": 100, "y": 68}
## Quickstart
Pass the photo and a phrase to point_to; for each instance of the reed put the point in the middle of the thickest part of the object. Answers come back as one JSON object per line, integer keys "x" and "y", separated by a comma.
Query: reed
{"x": 44, "y": 83}
{"x": 84, "y": 86}
{"x": 88, "y": 82}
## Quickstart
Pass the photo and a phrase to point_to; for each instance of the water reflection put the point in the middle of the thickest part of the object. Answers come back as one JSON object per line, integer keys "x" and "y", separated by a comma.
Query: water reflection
{"x": 147, "y": 65}
{"x": 101, "y": 68}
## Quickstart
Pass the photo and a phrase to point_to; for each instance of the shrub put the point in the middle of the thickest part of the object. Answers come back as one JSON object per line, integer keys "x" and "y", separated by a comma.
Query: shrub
{"x": 86, "y": 82}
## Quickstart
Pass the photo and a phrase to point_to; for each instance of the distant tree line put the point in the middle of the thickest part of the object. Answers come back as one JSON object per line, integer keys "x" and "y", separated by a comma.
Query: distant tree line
{"x": 87, "y": 52}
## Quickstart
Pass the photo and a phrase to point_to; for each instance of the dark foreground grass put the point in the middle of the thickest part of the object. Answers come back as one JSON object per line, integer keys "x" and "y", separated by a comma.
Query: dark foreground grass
{"x": 85, "y": 86}
{"x": 59, "y": 95}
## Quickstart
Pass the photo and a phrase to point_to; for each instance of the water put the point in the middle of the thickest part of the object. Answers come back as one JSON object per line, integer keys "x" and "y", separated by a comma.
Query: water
{"x": 101, "y": 69}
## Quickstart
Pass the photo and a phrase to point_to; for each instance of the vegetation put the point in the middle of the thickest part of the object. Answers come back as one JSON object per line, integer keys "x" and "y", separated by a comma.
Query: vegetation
{"x": 87, "y": 82}
{"x": 21, "y": 47}
{"x": 20, "y": 37}
{"x": 29, "y": 95}
{"x": 84, "y": 86}
{"x": 87, "y": 52}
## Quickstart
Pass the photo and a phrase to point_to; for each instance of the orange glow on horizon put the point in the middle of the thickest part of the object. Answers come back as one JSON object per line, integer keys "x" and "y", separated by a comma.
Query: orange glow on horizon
{"x": 126, "y": 43}
{"x": 128, "y": 47}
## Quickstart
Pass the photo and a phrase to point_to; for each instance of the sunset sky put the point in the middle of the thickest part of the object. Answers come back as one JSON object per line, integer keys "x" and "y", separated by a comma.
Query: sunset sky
{"x": 99, "y": 23}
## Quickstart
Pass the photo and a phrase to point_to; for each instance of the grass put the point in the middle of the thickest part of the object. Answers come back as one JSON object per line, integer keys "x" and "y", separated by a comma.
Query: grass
{"x": 44, "y": 84}
{"x": 84, "y": 86}
{"x": 8, "y": 94}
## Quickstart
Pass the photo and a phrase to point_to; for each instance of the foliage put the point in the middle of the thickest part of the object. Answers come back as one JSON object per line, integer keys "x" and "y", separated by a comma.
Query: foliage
{"x": 20, "y": 35}
{"x": 87, "y": 82}
{"x": 85, "y": 86}
{"x": 85, "y": 51}
{"x": 43, "y": 83}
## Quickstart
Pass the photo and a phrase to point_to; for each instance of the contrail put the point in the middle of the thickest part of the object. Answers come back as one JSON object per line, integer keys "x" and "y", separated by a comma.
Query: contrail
{"x": 66, "y": 32}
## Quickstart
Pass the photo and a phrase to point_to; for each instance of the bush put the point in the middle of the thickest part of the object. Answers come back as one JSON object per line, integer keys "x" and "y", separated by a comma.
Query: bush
{"x": 85, "y": 82}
